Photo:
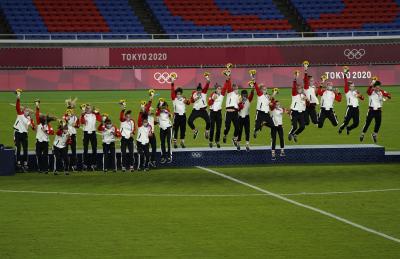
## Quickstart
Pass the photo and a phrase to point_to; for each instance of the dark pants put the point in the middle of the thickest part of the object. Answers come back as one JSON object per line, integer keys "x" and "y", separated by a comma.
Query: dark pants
{"x": 128, "y": 159}
{"x": 298, "y": 122}
{"x": 179, "y": 125}
{"x": 196, "y": 114}
{"x": 165, "y": 136}
{"x": 231, "y": 118}
{"x": 263, "y": 118}
{"x": 373, "y": 114}
{"x": 244, "y": 123}
{"x": 60, "y": 159}
{"x": 216, "y": 123}
{"x": 73, "y": 157}
{"x": 87, "y": 160}
{"x": 279, "y": 130}
{"x": 311, "y": 113}
{"x": 21, "y": 140}
{"x": 153, "y": 144}
{"x": 143, "y": 154}
{"x": 352, "y": 113}
{"x": 42, "y": 156}
{"x": 330, "y": 114}
{"x": 109, "y": 156}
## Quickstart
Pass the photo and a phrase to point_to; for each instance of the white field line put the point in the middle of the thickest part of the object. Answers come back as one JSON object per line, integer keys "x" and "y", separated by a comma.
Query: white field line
{"x": 194, "y": 195}
{"x": 299, "y": 204}
{"x": 340, "y": 192}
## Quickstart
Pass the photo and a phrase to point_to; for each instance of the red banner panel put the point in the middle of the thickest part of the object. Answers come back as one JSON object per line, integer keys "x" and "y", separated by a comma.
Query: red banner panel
{"x": 85, "y": 57}
{"x": 31, "y": 57}
{"x": 125, "y": 79}
{"x": 256, "y": 55}
{"x": 285, "y": 55}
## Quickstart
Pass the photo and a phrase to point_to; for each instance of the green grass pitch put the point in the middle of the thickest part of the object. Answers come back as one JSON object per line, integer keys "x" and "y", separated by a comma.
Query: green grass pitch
{"x": 53, "y": 102}
{"x": 191, "y": 213}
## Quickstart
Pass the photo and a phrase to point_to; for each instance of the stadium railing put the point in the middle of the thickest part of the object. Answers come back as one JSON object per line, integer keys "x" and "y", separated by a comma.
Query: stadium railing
{"x": 259, "y": 36}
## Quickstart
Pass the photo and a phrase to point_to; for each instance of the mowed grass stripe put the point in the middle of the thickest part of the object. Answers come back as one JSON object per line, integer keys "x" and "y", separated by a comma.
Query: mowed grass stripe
{"x": 195, "y": 195}
{"x": 303, "y": 205}
{"x": 51, "y": 226}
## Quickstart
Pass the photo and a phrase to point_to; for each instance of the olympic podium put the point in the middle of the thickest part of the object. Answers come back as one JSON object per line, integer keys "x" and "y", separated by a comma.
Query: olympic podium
{"x": 7, "y": 161}
{"x": 307, "y": 154}
{"x": 228, "y": 156}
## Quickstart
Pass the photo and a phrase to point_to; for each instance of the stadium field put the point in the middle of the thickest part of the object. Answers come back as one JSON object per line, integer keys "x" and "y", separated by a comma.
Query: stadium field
{"x": 219, "y": 212}
{"x": 107, "y": 102}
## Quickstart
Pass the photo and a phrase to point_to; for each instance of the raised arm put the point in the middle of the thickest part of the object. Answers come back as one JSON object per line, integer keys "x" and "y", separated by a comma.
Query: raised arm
{"x": 272, "y": 105}
{"x": 258, "y": 90}
{"x": 100, "y": 127}
{"x": 37, "y": 115}
{"x": 251, "y": 96}
{"x": 211, "y": 100}
{"x": 320, "y": 91}
{"x": 294, "y": 88}
{"x": 139, "y": 121}
{"x": 386, "y": 94}
{"x": 98, "y": 117}
{"x": 370, "y": 90}
{"x": 224, "y": 88}
{"x": 192, "y": 100}
{"x": 122, "y": 115}
{"x": 59, "y": 132}
{"x": 148, "y": 105}
{"x": 18, "y": 107}
{"x": 51, "y": 130}
{"x": 346, "y": 84}
{"x": 173, "y": 95}
{"x": 33, "y": 126}
{"x": 205, "y": 88}
{"x": 306, "y": 80}
{"x": 338, "y": 97}
{"x": 227, "y": 86}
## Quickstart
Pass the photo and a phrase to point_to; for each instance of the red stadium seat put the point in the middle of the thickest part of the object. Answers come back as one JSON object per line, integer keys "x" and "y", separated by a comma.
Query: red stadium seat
{"x": 71, "y": 16}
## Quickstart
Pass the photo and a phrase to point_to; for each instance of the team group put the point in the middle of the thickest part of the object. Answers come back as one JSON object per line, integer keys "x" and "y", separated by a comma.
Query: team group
{"x": 269, "y": 112}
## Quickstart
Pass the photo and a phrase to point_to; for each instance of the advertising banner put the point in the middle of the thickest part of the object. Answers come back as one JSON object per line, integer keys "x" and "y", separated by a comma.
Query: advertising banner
{"x": 189, "y": 56}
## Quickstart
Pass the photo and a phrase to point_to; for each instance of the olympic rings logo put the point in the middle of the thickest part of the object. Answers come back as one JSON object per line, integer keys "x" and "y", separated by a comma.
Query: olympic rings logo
{"x": 197, "y": 154}
{"x": 163, "y": 78}
{"x": 354, "y": 53}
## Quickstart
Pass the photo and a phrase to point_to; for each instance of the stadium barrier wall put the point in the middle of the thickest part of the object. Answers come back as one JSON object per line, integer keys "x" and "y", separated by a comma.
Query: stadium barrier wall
{"x": 187, "y": 56}
{"x": 130, "y": 79}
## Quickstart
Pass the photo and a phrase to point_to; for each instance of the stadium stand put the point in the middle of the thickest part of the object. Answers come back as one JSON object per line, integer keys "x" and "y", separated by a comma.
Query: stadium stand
{"x": 76, "y": 16}
{"x": 120, "y": 16}
{"x": 125, "y": 18}
{"x": 349, "y": 15}
{"x": 23, "y": 17}
{"x": 218, "y": 16}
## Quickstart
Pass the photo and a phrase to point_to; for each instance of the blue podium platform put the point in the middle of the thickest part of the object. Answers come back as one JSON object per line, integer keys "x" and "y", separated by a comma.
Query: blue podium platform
{"x": 7, "y": 162}
{"x": 306, "y": 154}
{"x": 259, "y": 155}
{"x": 392, "y": 156}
